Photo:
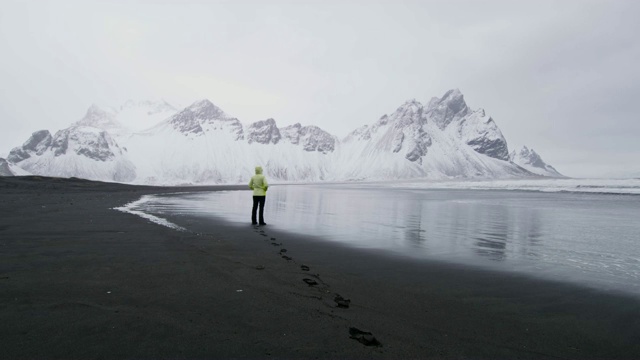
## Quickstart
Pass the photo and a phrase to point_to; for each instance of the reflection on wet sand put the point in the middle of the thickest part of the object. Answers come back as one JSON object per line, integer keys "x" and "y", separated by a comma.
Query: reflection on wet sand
{"x": 566, "y": 235}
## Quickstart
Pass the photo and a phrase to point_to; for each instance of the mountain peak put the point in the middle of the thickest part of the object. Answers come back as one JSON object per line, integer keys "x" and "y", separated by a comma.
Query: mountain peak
{"x": 263, "y": 132}
{"x": 411, "y": 102}
{"x": 452, "y": 93}
{"x": 94, "y": 111}
{"x": 529, "y": 154}
{"x": 202, "y": 102}
{"x": 151, "y": 105}
{"x": 207, "y": 110}
{"x": 448, "y": 108}
{"x": 410, "y": 106}
{"x": 454, "y": 100}
{"x": 37, "y": 144}
{"x": 203, "y": 114}
{"x": 530, "y": 160}
{"x": 99, "y": 118}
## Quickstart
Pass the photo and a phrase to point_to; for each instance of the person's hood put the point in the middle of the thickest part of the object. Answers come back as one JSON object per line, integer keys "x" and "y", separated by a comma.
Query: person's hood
{"x": 258, "y": 170}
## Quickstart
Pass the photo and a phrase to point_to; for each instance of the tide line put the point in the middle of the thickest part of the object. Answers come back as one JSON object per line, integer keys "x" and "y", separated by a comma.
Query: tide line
{"x": 134, "y": 206}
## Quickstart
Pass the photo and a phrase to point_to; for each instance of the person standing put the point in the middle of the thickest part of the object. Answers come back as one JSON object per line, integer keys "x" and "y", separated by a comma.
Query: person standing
{"x": 259, "y": 185}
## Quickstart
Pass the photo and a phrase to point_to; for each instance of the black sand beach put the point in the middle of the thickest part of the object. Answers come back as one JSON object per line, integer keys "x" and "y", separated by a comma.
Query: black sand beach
{"x": 79, "y": 280}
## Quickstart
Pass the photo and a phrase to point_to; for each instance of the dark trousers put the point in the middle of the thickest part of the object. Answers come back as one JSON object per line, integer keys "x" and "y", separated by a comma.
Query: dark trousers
{"x": 258, "y": 200}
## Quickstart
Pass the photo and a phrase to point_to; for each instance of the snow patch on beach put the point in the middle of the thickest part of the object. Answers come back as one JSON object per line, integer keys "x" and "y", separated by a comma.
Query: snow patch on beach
{"x": 135, "y": 206}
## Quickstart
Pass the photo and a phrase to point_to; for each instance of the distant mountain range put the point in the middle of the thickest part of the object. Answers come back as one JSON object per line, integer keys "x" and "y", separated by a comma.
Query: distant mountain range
{"x": 155, "y": 143}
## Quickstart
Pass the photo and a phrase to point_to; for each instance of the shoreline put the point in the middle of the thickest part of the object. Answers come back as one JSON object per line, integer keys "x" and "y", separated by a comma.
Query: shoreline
{"x": 195, "y": 210}
{"x": 79, "y": 280}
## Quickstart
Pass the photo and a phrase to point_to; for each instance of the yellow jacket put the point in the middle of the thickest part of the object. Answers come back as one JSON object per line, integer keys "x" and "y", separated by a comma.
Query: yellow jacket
{"x": 258, "y": 183}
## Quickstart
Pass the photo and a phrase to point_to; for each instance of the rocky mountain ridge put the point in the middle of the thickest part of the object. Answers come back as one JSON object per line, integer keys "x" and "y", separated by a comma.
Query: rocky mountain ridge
{"x": 531, "y": 161}
{"x": 203, "y": 144}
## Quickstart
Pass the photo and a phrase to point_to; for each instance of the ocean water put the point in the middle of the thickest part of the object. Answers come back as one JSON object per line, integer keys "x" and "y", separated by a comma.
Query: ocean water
{"x": 583, "y": 238}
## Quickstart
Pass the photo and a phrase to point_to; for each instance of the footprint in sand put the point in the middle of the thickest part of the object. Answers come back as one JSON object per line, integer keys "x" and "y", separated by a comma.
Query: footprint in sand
{"x": 304, "y": 267}
{"x": 364, "y": 337}
{"x": 283, "y": 250}
{"x": 288, "y": 258}
{"x": 310, "y": 282}
{"x": 276, "y": 244}
{"x": 342, "y": 302}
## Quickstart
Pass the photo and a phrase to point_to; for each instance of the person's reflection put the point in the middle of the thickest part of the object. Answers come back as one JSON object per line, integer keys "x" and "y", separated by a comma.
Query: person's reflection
{"x": 491, "y": 241}
{"x": 411, "y": 223}
{"x": 413, "y": 234}
{"x": 530, "y": 235}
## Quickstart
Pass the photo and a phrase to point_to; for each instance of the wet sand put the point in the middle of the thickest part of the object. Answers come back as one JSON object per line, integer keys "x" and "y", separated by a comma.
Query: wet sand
{"x": 79, "y": 280}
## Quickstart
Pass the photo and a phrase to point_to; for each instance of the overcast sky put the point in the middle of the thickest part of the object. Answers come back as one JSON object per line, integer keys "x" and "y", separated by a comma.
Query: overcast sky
{"x": 562, "y": 77}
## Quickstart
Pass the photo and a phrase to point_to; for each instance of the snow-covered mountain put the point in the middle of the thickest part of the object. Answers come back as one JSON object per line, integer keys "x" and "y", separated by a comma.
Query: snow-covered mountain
{"x": 131, "y": 117}
{"x": 202, "y": 144}
{"x": 9, "y": 169}
{"x": 531, "y": 161}
{"x": 77, "y": 151}
{"x": 103, "y": 120}
{"x": 444, "y": 139}
{"x": 141, "y": 115}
